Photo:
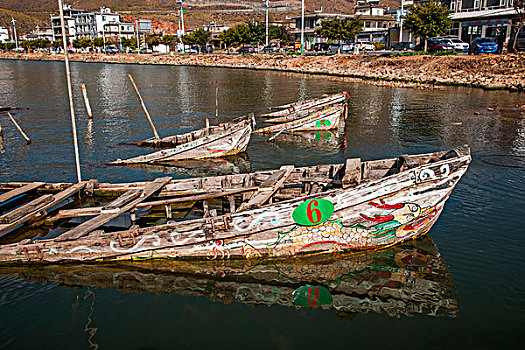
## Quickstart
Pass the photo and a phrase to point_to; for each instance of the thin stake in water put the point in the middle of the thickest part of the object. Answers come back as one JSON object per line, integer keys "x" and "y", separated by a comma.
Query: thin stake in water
{"x": 19, "y": 128}
{"x": 144, "y": 107}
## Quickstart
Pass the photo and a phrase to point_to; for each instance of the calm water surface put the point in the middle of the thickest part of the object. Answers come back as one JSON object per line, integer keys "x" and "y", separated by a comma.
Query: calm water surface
{"x": 477, "y": 280}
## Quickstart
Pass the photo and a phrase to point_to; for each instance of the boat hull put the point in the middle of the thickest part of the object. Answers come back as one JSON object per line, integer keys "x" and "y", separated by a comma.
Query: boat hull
{"x": 227, "y": 143}
{"x": 373, "y": 215}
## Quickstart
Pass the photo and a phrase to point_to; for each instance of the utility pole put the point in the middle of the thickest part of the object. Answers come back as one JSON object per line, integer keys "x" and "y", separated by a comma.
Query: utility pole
{"x": 14, "y": 29}
{"x": 302, "y": 27}
{"x": 267, "y": 10}
{"x": 401, "y": 25}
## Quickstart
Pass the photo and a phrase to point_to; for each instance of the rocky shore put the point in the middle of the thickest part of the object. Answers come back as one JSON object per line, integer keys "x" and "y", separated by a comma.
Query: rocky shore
{"x": 506, "y": 72}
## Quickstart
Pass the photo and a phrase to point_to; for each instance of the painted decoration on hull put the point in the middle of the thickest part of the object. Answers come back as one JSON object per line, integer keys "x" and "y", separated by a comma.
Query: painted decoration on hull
{"x": 399, "y": 221}
{"x": 312, "y": 296}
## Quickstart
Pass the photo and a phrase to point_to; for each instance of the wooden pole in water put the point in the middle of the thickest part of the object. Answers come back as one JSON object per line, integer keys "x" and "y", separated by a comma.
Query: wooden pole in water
{"x": 19, "y": 128}
{"x": 69, "y": 89}
{"x": 216, "y": 100}
{"x": 86, "y": 100}
{"x": 144, "y": 107}
{"x": 1, "y": 134}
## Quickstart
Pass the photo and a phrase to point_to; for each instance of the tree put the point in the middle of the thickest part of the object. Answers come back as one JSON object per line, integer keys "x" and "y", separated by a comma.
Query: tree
{"x": 427, "y": 20}
{"x": 169, "y": 40}
{"x": 82, "y": 43}
{"x": 127, "y": 42}
{"x": 519, "y": 6}
{"x": 152, "y": 40}
{"x": 341, "y": 29}
{"x": 57, "y": 44}
{"x": 98, "y": 42}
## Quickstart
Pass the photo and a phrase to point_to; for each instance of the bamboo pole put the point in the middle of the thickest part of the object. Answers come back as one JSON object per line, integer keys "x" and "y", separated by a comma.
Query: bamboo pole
{"x": 86, "y": 100}
{"x": 1, "y": 133}
{"x": 69, "y": 89}
{"x": 19, "y": 128}
{"x": 144, "y": 107}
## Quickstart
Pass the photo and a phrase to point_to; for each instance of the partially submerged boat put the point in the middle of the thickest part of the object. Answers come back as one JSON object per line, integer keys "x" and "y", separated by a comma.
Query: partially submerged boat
{"x": 405, "y": 280}
{"x": 228, "y": 140}
{"x": 297, "y": 109}
{"x": 175, "y": 140}
{"x": 322, "y": 120}
{"x": 284, "y": 213}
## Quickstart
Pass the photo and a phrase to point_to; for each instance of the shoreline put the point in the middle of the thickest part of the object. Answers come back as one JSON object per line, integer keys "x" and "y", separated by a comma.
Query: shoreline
{"x": 489, "y": 72}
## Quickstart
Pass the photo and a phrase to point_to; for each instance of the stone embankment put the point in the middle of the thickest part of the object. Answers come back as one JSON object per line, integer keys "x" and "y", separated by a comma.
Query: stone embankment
{"x": 486, "y": 71}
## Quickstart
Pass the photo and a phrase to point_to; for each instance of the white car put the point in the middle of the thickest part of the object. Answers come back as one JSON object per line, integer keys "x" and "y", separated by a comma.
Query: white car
{"x": 367, "y": 46}
{"x": 457, "y": 44}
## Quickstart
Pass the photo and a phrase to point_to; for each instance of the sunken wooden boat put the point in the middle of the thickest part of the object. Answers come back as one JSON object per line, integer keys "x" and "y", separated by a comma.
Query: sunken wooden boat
{"x": 322, "y": 120}
{"x": 405, "y": 280}
{"x": 227, "y": 142}
{"x": 298, "y": 109}
{"x": 208, "y": 131}
{"x": 289, "y": 212}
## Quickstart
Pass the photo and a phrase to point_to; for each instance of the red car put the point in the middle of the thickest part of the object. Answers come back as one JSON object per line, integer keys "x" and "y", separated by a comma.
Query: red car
{"x": 434, "y": 45}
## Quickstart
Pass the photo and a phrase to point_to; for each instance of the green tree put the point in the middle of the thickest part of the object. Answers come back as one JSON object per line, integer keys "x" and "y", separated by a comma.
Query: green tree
{"x": 82, "y": 43}
{"x": 198, "y": 37}
{"x": 152, "y": 40}
{"x": 257, "y": 32}
{"x": 341, "y": 29}
{"x": 127, "y": 42}
{"x": 57, "y": 44}
{"x": 98, "y": 42}
{"x": 279, "y": 32}
{"x": 427, "y": 20}
{"x": 169, "y": 40}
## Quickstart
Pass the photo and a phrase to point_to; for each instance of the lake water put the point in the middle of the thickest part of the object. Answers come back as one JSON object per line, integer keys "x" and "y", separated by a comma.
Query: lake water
{"x": 465, "y": 290}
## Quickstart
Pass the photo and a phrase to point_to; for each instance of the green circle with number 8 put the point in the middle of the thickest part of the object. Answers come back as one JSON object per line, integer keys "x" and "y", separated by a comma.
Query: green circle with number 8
{"x": 313, "y": 212}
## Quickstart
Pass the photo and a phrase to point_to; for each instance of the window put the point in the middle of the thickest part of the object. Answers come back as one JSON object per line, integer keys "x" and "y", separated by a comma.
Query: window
{"x": 452, "y": 5}
{"x": 476, "y": 4}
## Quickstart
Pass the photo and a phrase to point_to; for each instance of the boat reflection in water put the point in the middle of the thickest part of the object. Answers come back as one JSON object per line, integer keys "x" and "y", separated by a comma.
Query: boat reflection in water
{"x": 403, "y": 280}
{"x": 238, "y": 164}
{"x": 330, "y": 141}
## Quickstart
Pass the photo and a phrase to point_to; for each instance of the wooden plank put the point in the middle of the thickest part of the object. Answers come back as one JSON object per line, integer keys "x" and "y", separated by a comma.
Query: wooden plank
{"x": 268, "y": 188}
{"x": 57, "y": 198}
{"x": 352, "y": 172}
{"x": 407, "y": 162}
{"x": 91, "y": 225}
{"x": 26, "y": 209}
{"x": 122, "y": 200}
{"x": 19, "y": 191}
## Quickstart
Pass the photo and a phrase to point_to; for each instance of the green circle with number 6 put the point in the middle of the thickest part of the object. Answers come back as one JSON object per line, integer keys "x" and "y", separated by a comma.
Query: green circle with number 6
{"x": 313, "y": 212}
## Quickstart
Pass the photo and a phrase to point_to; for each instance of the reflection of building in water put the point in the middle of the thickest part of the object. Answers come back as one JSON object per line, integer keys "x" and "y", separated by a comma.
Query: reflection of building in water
{"x": 400, "y": 281}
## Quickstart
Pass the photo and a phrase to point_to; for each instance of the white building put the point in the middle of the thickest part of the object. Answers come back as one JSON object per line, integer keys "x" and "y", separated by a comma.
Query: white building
{"x": 4, "y": 35}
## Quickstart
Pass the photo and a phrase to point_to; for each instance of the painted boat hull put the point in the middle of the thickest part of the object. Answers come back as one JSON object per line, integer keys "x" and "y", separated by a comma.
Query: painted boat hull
{"x": 293, "y": 108}
{"x": 327, "y": 119}
{"x": 228, "y": 142}
{"x": 374, "y": 215}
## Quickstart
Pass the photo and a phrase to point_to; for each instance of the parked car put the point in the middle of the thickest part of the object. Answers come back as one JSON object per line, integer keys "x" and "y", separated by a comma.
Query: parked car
{"x": 365, "y": 45}
{"x": 111, "y": 50}
{"x": 402, "y": 46}
{"x": 483, "y": 45}
{"x": 248, "y": 49}
{"x": 271, "y": 49}
{"x": 520, "y": 42}
{"x": 457, "y": 44}
{"x": 321, "y": 47}
{"x": 434, "y": 45}
{"x": 207, "y": 48}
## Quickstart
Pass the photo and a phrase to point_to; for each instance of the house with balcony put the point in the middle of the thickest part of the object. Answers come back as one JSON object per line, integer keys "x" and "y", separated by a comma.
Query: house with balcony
{"x": 481, "y": 18}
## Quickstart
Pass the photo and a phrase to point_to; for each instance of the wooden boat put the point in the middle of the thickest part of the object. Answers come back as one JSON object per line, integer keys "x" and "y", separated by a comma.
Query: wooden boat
{"x": 227, "y": 142}
{"x": 352, "y": 206}
{"x": 295, "y": 110}
{"x": 326, "y": 119}
{"x": 175, "y": 140}
{"x": 404, "y": 280}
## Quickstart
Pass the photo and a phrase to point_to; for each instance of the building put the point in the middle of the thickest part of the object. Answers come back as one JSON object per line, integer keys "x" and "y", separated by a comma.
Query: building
{"x": 4, "y": 35}
{"x": 103, "y": 24}
{"x": 480, "y": 18}
{"x": 376, "y": 23}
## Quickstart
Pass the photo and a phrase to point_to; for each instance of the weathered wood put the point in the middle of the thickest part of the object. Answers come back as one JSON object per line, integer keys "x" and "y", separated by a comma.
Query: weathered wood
{"x": 90, "y": 225}
{"x": 352, "y": 172}
{"x": 19, "y": 128}
{"x": 407, "y": 162}
{"x": 86, "y": 100}
{"x": 268, "y": 188}
{"x": 144, "y": 108}
{"x": 20, "y": 191}
{"x": 26, "y": 209}
{"x": 57, "y": 198}
{"x": 122, "y": 200}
